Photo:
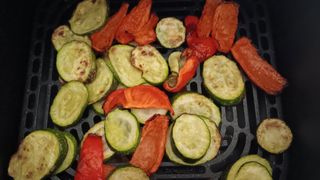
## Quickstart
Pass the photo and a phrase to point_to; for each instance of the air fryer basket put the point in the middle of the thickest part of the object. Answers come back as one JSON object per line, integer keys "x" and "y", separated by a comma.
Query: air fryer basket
{"x": 238, "y": 122}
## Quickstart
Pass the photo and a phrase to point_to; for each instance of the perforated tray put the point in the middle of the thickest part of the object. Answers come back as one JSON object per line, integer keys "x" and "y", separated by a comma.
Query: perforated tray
{"x": 238, "y": 122}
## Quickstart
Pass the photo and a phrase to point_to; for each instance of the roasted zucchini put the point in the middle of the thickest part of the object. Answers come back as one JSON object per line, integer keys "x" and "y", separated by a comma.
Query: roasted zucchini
{"x": 143, "y": 115}
{"x": 128, "y": 173}
{"x": 170, "y": 32}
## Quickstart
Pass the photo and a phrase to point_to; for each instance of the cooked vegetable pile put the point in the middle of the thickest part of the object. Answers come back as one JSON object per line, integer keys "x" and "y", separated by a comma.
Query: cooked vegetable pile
{"x": 111, "y": 64}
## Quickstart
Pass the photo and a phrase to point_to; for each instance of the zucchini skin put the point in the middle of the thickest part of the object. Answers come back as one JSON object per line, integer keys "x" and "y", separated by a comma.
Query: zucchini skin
{"x": 84, "y": 74}
{"x": 235, "y": 95}
{"x": 102, "y": 70}
{"x": 97, "y": 107}
{"x": 76, "y": 120}
{"x": 226, "y": 102}
{"x": 231, "y": 173}
{"x": 74, "y": 143}
{"x": 252, "y": 163}
{"x": 178, "y": 122}
{"x": 134, "y": 177}
{"x": 27, "y": 155}
{"x": 63, "y": 146}
{"x": 77, "y": 13}
{"x": 217, "y": 114}
{"x": 134, "y": 146}
{"x": 211, "y": 153}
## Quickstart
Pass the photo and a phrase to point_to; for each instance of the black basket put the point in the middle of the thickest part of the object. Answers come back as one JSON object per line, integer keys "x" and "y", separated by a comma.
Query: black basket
{"x": 238, "y": 122}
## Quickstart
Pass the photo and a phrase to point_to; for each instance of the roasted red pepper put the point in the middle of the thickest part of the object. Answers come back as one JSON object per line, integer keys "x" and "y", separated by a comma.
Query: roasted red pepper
{"x": 225, "y": 24}
{"x": 202, "y": 48}
{"x": 102, "y": 39}
{"x": 205, "y": 22}
{"x": 90, "y": 165}
{"x": 142, "y": 96}
{"x": 150, "y": 151}
{"x": 186, "y": 73}
{"x": 146, "y": 35}
{"x": 258, "y": 70}
{"x": 135, "y": 22}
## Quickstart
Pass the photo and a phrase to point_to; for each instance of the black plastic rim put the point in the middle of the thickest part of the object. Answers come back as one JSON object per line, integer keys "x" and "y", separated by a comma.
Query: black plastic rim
{"x": 239, "y": 122}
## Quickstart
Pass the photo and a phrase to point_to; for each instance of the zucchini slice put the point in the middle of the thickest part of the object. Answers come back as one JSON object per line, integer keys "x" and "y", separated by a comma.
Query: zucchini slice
{"x": 97, "y": 107}
{"x": 194, "y": 103}
{"x": 231, "y": 175}
{"x": 62, "y": 35}
{"x": 76, "y": 61}
{"x": 39, "y": 154}
{"x": 108, "y": 62}
{"x": 69, "y": 104}
{"x": 71, "y": 154}
{"x": 98, "y": 129}
{"x": 223, "y": 80}
{"x": 191, "y": 136}
{"x": 170, "y": 32}
{"x": 173, "y": 61}
{"x": 253, "y": 171}
{"x": 120, "y": 56}
{"x": 128, "y": 172}
{"x": 153, "y": 66}
{"x": 143, "y": 115}
{"x": 89, "y": 15}
{"x": 102, "y": 84}
{"x": 274, "y": 135}
{"x": 211, "y": 152}
{"x": 122, "y": 131}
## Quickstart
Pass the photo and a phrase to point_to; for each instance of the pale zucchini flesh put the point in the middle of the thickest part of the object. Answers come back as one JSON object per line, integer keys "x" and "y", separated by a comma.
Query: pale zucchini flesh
{"x": 253, "y": 171}
{"x": 97, "y": 107}
{"x": 191, "y": 136}
{"x": 71, "y": 154}
{"x": 89, "y": 15}
{"x": 108, "y": 62}
{"x": 62, "y": 35}
{"x": 194, "y": 103}
{"x": 223, "y": 80}
{"x": 173, "y": 61}
{"x": 122, "y": 131}
{"x": 231, "y": 175}
{"x": 211, "y": 152}
{"x": 170, "y": 32}
{"x": 38, "y": 155}
{"x": 102, "y": 84}
{"x": 120, "y": 56}
{"x": 128, "y": 173}
{"x": 76, "y": 61}
{"x": 98, "y": 129}
{"x": 143, "y": 115}
{"x": 274, "y": 135}
{"x": 149, "y": 60}
{"x": 69, "y": 104}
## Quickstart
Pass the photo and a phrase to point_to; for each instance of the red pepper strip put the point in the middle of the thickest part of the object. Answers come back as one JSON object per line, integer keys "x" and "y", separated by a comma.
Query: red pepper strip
{"x": 90, "y": 165}
{"x": 186, "y": 73}
{"x": 102, "y": 40}
{"x": 142, "y": 96}
{"x": 258, "y": 70}
{"x": 205, "y": 22}
{"x": 202, "y": 48}
{"x": 147, "y": 35}
{"x": 150, "y": 151}
{"x": 134, "y": 21}
{"x": 116, "y": 98}
{"x": 225, "y": 24}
